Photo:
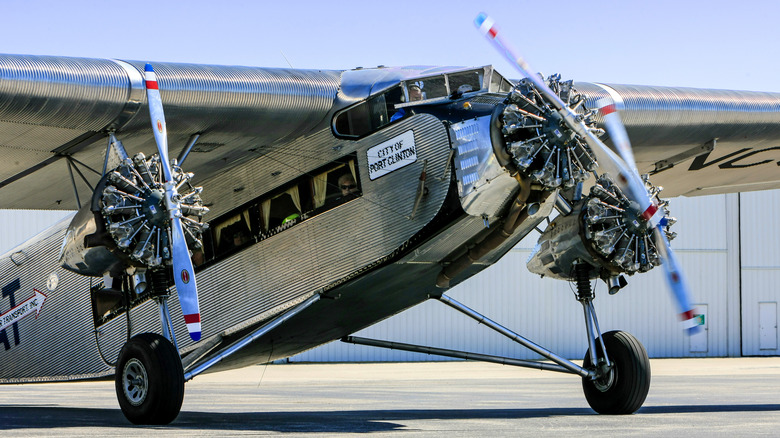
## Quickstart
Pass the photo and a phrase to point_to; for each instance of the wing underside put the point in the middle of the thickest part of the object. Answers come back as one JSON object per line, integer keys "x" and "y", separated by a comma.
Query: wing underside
{"x": 56, "y": 113}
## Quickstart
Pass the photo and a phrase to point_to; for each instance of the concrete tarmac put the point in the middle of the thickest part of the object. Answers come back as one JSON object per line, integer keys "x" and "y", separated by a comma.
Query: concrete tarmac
{"x": 716, "y": 397}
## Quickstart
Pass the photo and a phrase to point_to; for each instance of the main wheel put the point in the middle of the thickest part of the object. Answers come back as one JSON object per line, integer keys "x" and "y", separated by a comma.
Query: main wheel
{"x": 149, "y": 380}
{"x": 623, "y": 388}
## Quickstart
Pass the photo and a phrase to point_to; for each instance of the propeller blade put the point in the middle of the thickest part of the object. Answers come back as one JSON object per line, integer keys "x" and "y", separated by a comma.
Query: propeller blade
{"x": 183, "y": 273}
{"x": 677, "y": 283}
{"x": 622, "y": 169}
{"x": 158, "y": 119}
{"x": 184, "y": 279}
{"x": 617, "y": 131}
{"x": 625, "y": 178}
{"x": 674, "y": 274}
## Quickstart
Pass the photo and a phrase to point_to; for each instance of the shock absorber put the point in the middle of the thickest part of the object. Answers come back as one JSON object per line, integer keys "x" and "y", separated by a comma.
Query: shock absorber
{"x": 160, "y": 282}
{"x": 582, "y": 277}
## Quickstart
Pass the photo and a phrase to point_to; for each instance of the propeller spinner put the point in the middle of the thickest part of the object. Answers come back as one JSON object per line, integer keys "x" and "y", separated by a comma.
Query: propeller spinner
{"x": 622, "y": 169}
{"x": 183, "y": 272}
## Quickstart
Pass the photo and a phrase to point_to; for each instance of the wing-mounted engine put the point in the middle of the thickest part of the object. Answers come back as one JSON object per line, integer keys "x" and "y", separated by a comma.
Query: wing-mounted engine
{"x": 127, "y": 223}
{"x": 134, "y": 210}
{"x": 602, "y": 229}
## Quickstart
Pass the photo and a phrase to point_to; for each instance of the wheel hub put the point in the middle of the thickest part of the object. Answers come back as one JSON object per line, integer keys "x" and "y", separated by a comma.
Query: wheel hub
{"x": 606, "y": 374}
{"x": 135, "y": 382}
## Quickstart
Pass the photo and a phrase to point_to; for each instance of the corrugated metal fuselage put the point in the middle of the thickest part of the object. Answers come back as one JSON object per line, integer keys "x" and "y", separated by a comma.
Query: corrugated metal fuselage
{"x": 369, "y": 254}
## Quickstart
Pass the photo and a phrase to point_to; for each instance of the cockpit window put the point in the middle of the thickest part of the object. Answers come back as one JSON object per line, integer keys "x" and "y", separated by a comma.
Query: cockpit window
{"x": 465, "y": 82}
{"x": 499, "y": 84}
{"x": 368, "y": 116}
{"x": 425, "y": 89}
{"x": 392, "y": 104}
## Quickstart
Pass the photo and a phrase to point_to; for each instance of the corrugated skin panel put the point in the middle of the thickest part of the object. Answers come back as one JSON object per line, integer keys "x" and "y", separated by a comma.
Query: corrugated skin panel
{"x": 677, "y": 116}
{"x": 76, "y": 93}
{"x": 60, "y": 340}
{"x": 257, "y": 282}
{"x": 88, "y": 94}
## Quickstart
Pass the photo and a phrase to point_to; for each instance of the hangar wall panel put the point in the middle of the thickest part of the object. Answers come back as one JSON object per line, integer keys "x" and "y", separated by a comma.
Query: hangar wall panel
{"x": 760, "y": 269}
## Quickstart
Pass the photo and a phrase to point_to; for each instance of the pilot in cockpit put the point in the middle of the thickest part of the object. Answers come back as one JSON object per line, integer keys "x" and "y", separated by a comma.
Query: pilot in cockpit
{"x": 415, "y": 94}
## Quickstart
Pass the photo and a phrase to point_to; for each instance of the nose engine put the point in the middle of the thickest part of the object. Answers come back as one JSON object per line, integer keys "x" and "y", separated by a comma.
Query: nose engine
{"x": 603, "y": 229}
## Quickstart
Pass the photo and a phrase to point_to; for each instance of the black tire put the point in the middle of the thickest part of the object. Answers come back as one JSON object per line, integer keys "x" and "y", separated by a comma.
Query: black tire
{"x": 149, "y": 380}
{"x": 624, "y": 389}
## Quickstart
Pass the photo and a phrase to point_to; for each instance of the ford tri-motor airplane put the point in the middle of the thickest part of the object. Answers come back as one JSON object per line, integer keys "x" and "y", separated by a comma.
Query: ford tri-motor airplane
{"x": 300, "y": 206}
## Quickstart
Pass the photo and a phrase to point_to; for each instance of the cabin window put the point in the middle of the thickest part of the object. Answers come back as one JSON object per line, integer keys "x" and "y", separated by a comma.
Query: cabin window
{"x": 232, "y": 232}
{"x": 309, "y": 195}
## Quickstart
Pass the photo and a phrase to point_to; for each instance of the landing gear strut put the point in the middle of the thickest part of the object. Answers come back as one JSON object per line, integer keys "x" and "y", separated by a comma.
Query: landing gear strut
{"x": 619, "y": 364}
{"x": 615, "y": 373}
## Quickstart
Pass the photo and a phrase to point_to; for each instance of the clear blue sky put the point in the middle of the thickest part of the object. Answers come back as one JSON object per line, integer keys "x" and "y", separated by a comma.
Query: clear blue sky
{"x": 713, "y": 44}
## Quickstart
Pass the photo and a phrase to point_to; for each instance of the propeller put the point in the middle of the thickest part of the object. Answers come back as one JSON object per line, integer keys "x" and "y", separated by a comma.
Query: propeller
{"x": 622, "y": 169}
{"x": 183, "y": 272}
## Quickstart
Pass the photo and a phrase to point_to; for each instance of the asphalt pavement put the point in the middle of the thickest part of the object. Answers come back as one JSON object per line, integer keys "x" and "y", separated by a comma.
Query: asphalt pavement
{"x": 716, "y": 397}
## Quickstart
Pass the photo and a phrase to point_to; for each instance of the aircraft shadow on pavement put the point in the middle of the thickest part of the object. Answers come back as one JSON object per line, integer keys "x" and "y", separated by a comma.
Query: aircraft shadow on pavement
{"x": 50, "y": 417}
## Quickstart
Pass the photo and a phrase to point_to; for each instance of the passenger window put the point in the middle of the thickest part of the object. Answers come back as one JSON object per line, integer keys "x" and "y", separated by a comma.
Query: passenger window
{"x": 336, "y": 185}
{"x": 233, "y": 232}
{"x": 307, "y": 195}
{"x": 282, "y": 209}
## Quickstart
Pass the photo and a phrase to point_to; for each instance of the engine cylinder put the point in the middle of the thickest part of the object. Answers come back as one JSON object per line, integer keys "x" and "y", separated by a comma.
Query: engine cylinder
{"x": 604, "y": 229}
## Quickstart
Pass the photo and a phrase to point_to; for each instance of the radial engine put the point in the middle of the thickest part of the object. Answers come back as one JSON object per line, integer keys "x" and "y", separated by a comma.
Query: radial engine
{"x": 126, "y": 226}
{"x": 603, "y": 228}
